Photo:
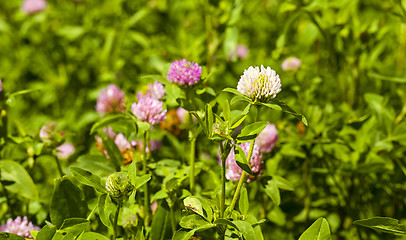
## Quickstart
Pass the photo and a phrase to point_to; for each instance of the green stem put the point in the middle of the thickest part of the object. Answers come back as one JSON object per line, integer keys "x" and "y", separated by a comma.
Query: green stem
{"x": 173, "y": 222}
{"x": 115, "y": 226}
{"x": 192, "y": 164}
{"x": 59, "y": 166}
{"x": 223, "y": 178}
{"x": 91, "y": 213}
{"x": 146, "y": 187}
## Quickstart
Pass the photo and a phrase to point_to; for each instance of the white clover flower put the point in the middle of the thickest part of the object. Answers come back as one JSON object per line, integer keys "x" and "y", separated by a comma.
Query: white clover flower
{"x": 261, "y": 85}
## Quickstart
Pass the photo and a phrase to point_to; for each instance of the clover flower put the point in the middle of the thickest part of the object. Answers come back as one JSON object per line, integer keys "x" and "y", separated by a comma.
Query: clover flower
{"x": 241, "y": 50}
{"x": 1, "y": 89}
{"x": 184, "y": 73}
{"x": 291, "y": 64}
{"x": 125, "y": 147}
{"x": 118, "y": 185}
{"x": 267, "y": 139}
{"x": 149, "y": 110}
{"x": 21, "y": 228}
{"x": 234, "y": 171}
{"x": 259, "y": 84}
{"x": 111, "y": 99}
{"x": 155, "y": 90}
{"x": 48, "y": 131}
{"x": 33, "y": 6}
{"x": 65, "y": 150}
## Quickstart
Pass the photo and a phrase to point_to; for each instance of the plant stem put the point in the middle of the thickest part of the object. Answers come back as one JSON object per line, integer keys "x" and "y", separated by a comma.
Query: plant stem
{"x": 192, "y": 164}
{"x": 146, "y": 188}
{"x": 115, "y": 226}
{"x": 223, "y": 177}
{"x": 59, "y": 166}
{"x": 173, "y": 222}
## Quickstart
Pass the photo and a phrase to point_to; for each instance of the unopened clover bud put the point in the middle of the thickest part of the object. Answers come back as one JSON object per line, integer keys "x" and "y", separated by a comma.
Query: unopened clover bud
{"x": 220, "y": 129}
{"x": 118, "y": 185}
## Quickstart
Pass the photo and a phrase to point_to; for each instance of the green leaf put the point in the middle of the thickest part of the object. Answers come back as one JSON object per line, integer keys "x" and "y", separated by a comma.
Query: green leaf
{"x": 161, "y": 226}
{"x": 202, "y": 124}
{"x": 194, "y": 204}
{"x": 141, "y": 180}
{"x": 239, "y": 98}
{"x": 241, "y": 159}
{"x": 87, "y": 178}
{"x": 182, "y": 234}
{"x": 246, "y": 229}
{"x": 93, "y": 236}
{"x": 243, "y": 202}
{"x": 209, "y": 118}
{"x": 251, "y": 131}
{"x": 283, "y": 183}
{"x": 223, "y": 221}
{"x": 194, "y": 221}
{"x": 273, "y": 192}
{"x": 281, "y": 106}
{"x": 68, "y": 201}
{"x": 106, "y": 207}
{"x": 161, "y": 194}
{"x": 113, "y": 151}
{"x": 23, "y": 183}
{"x": 387, "y": 78}
{"x": 384, "y": 224}
{"x": 10, "y": 236}
{"x": 226, "y": 111}
{"x": 107, "y": 120}
{"x": 319, "y": 230}
{"x": 46, "y": 233}
{"x": 233, "y": 91}
{"x": 75, "y": 226}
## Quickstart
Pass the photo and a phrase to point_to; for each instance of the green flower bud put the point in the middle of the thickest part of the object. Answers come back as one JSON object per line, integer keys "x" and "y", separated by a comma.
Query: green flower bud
{"x": 118, "y": 185}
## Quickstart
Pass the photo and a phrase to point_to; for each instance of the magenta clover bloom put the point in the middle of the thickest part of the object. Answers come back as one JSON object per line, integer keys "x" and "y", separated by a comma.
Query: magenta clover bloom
{"x": 111, "y": 99}
{"x": 149, "y": 110}
{"x": 21, "y": 228}
{"x": 184, "y": 73}
{"x": 234, "y": 171}
{"x": 155, "y": 90}
{"x": 1, "y": 89}
{"x": 267, "y": 139}
{"x": 65, "y": 150}
{"x": 291, "y": 64}
{"x": 33, "y": 6}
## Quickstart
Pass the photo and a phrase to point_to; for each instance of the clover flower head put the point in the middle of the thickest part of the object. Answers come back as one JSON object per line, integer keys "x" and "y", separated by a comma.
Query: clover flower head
{"x": 155, "y": 90}
{"x": 47, "y": 131}
{"x": 118, "y": 185}
{"x": 267, "y": 139}
{"x": 122, "y": 144}
{"x": 291, "y": 64}
{"x": 149, "y": 110}
{"x": 184, "y": 73}
{"x": 241, "y": 50}
{"x": 234, "y": 171}
{"x": 21, "y": 228}
{"x": 33, "y": 6}
{"x": 181, "y": 113}
{"x": 111, "y": 99}
{"x": 65, "y": 150}
{"x": 1, "y": 89}
{"x": 259, "y": 84}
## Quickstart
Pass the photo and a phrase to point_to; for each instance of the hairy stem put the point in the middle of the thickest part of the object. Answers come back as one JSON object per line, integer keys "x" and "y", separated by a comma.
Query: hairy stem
{"x": 115, "y": 226}
{"x": 192, "y": 164}
{"x": 145, "y": 171}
